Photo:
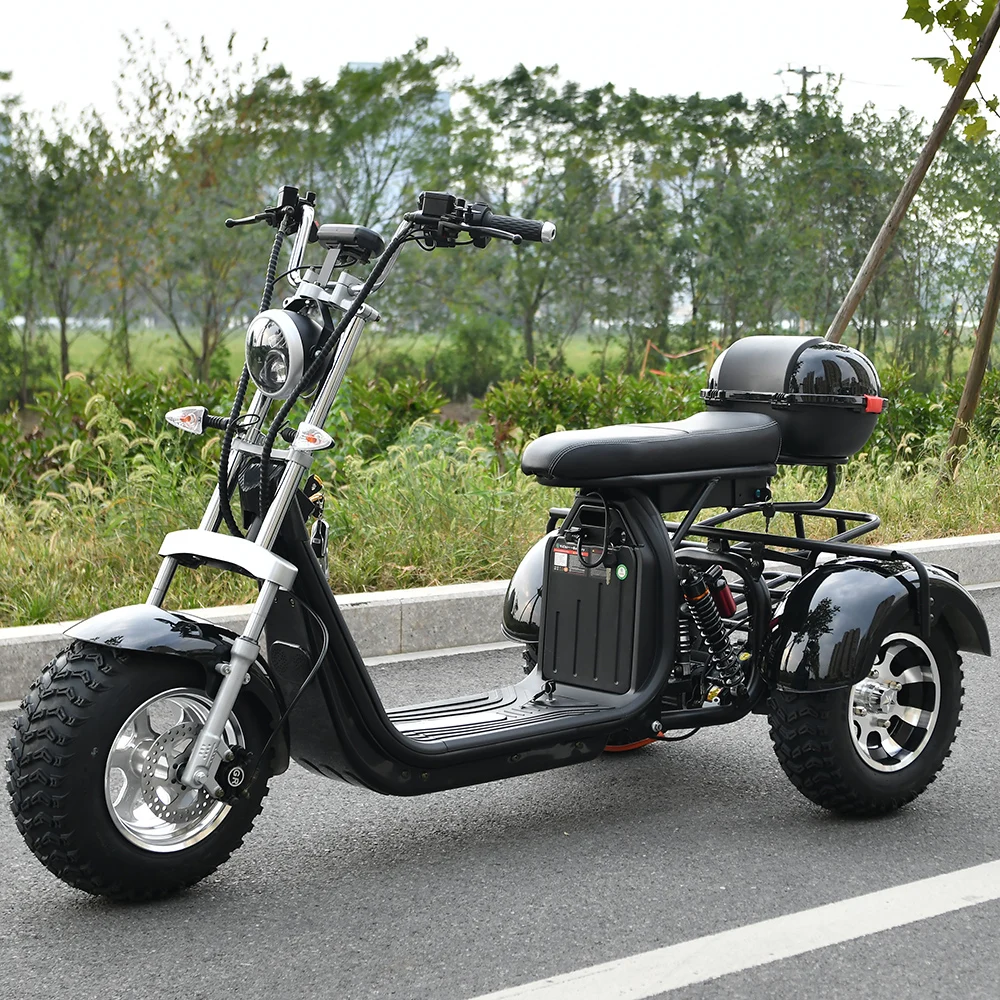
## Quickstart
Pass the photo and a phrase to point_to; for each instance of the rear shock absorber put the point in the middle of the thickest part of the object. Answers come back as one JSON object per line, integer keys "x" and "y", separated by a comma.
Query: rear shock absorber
{"x": 709, "y": 621}
{"x": 685, "y": 642}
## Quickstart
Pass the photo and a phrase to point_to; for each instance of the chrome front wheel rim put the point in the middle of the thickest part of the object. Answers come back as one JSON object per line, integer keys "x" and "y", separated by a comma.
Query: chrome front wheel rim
{"x": 147, "y": 803}
{"x": 892, "y": 713}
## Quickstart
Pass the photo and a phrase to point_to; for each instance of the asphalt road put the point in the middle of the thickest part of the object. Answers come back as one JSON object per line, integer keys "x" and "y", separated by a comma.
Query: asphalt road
{"x": 342, "y": 893}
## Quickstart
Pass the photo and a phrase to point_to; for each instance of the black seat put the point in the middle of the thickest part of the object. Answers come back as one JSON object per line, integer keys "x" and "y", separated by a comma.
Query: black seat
{"x": 706, "y": 441}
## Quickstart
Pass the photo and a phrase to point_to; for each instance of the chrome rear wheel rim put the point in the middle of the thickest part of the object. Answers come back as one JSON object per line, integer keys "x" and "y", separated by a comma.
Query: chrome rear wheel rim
{"x": 892, "y": 713}
{"x": 145, "y": 799}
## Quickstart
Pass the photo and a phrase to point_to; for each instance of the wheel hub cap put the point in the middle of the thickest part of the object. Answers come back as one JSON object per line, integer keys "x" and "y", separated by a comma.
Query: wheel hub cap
{"x": 894, "y": 710}
{"x": 146, "y": 800}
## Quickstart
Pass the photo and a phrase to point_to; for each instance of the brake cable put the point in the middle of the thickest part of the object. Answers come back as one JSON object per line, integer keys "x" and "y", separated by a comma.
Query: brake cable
{"x": 320, "y": 359}
{"x": 225, "y": 493}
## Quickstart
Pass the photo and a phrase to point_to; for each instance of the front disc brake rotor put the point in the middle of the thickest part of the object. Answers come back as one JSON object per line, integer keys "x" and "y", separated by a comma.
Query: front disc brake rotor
{"x": 161, "y": 786}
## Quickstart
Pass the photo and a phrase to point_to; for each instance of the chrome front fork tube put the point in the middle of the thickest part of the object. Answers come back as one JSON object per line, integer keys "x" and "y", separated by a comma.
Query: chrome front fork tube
{"x": 208, "y": 748}
{"x": 164, "y": 576}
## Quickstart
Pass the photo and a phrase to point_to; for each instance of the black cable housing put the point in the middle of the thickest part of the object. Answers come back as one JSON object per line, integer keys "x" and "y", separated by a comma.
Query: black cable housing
{"x": 318, "y": 362}
{"x": 280, "y": 724}
{"x": 677, "y": 739}
{"x": 225, "y": 506}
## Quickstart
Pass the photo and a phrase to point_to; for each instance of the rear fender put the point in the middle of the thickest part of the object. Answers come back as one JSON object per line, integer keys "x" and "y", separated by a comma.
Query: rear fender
{"x": 522, "y": 605}
{"x": 828, "y": 628}
{"x": 145, "y": 628}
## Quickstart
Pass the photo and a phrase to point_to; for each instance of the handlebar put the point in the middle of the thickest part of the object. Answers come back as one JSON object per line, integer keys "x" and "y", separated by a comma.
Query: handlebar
{"x": 442, "y": 217}
{"x": 528, "y": 229}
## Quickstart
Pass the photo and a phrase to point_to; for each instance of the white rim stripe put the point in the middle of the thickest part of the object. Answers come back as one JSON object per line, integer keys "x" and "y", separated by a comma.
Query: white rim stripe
{"x": 654, "y": 972}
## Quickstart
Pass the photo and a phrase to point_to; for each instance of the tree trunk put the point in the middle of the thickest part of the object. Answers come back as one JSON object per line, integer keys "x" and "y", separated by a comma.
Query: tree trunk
{"x": 123, "y": 330}
{"x": 528, "y": 330}
{"x": 24, "y": 395}
{"x": 126, "y": 346}
{"x": 204, "y": 362}
{"x": 951, "y": 342}
{"x": 888, "y": 231}
{"x": 63, "y": 347}
{"x": 977, "y": 368}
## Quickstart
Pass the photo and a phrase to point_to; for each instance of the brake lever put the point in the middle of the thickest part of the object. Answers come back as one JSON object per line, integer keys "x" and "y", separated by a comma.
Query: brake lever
{"x": 249, "y": 220}
{"x": 498, "y": 234}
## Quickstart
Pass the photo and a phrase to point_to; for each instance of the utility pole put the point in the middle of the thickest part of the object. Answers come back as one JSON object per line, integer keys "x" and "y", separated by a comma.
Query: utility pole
{"x": 805, "y": 74}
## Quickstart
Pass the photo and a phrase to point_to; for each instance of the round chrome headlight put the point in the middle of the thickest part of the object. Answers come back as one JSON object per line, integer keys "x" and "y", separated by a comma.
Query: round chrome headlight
{"x": 279, "y": 345}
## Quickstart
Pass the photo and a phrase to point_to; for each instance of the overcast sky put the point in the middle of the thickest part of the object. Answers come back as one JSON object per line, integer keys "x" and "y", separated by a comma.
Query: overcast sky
{"x": 69, "y": 53}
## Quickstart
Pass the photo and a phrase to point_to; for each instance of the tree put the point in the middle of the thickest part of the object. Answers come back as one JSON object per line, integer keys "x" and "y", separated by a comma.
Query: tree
{"x": 974, "y": 23}
{"x": 27, "y": 216}
{"x": 968, "y": 73}
{"x": 195, "y": 168}
{"x": 366, "y": 141}
{"x": 124, "y": 225}
{"x": 66, "y": 224}
{"x": 532, "y": 150}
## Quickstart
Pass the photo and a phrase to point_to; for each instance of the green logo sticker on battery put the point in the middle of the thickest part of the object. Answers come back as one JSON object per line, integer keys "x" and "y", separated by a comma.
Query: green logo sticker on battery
{"x": 621, "y": 571}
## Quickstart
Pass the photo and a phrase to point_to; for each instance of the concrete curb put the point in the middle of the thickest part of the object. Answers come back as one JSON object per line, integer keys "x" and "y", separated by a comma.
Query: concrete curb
{"x": 405, "y": 621}
{"x": 383, "y": 624}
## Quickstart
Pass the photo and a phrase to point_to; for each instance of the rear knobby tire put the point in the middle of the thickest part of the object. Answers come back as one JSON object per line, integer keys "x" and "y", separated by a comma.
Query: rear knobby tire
{"x": 59, "y": 764}
{"x": 850, "y": 750}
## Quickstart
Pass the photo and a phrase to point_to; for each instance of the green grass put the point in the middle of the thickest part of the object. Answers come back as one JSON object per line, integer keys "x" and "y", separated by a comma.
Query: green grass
{"x": 430, "y": 513}
{"x": 151, "y": 350}
{"x": 158, "y": 349}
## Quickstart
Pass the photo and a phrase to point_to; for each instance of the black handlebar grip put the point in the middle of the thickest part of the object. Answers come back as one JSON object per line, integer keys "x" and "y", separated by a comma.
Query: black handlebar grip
{"x": 527, "y": 229}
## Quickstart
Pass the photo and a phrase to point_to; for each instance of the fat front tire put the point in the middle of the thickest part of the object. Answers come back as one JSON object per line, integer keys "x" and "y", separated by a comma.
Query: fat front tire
{"x": 93, "y": 771}
{"x": 873, "y": 747}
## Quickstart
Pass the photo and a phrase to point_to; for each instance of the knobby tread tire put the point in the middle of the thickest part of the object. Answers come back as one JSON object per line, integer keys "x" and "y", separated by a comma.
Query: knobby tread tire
{"x": 812, "y": 741}
{"x": 60, "y": 739}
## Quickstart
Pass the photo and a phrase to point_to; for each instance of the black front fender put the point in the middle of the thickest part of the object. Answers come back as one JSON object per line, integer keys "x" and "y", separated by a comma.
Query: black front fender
{"x": 145, "y": 628}
{"x": 830, "y": 624}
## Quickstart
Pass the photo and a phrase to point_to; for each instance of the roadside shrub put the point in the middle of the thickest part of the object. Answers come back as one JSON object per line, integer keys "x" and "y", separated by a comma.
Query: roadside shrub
{"x": 541, "y": 401}
{"x": 479, "y": 352}
{"x": 916, "y": 426}
{"x": 370, "y": 416}
{"x": 104, "y": 429}
{"x": 94, "y": 431}
{"x": 436, "y": 509}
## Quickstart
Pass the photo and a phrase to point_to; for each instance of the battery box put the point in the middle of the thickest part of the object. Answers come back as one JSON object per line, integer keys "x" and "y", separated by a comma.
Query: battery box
{"x": 588, "y": 621}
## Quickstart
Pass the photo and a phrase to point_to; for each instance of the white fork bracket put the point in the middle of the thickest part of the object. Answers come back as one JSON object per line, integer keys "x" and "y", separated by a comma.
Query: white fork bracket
{"x": 230, "y": 553}
{"x": 274, "y": 573}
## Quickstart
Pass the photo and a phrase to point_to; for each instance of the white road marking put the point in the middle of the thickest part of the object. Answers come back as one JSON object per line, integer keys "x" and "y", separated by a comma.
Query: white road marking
{"x": 664, "y": 969}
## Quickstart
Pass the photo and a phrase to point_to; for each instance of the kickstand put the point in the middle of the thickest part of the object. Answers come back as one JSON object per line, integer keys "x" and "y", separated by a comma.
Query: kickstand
{"x": 547, "y": 692}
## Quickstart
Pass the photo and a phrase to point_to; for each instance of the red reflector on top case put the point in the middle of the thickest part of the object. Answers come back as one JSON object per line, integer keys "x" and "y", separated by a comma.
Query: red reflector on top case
{"x": 874, "y": 404}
